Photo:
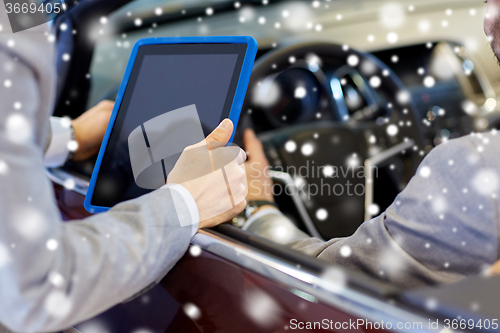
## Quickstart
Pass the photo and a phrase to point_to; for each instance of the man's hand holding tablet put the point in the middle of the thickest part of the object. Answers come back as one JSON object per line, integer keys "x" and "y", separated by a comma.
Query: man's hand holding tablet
{"x": 214, "y": 175}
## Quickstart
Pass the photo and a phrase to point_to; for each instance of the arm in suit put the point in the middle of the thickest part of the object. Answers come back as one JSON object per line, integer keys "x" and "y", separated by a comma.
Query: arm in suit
{"x": 441, "y": 228}
{"x": 56, "y": 274}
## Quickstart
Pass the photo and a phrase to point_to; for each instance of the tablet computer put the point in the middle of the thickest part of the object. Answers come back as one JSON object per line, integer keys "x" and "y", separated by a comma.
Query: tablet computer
{"x": 171, "y": 85}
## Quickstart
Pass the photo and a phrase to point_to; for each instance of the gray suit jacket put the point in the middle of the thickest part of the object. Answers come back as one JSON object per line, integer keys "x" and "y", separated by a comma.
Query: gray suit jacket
{"x": 55, "y": 274}
{"x": 443, "y": 227}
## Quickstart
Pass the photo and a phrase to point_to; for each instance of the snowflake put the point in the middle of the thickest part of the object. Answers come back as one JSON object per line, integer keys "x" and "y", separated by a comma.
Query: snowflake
{"x": 328, "y": 171}
{"x": 261, "y": 308}
{"x": 403, "y": 97}
{"x": 4, "y": 168}
{"x": 392, "y": 15}
{"x": 424, "y": 26}
{"x": 485, "y": 182}
{"x": 307, "y": 149}
{"x": 18, "y": 128}
{"x": 353, "y": 161}
{"x": 29, "y": 222}
{"x": 337, "y": 277}
{"x": 375, "y": 81}
{"x": 300, "y": 92}
{"x": 392, "y": 130}
{"x": 353, "y": 60}
{"x": 321, "y": 214}
{"x": 475, "y": 307}
{"x": 69, "y": 184}
{"x": 56, "y": 279}
{"x": 345, "y": 251}
{"x": 195, "y": 250}
{"x": 439, "y": 205}
{"x": 391, "y": 263}
{"x": 290, "y": 146}
{"x": 58, "y": 304}
{"x": 429, "y": 81}
{"x": 431, "y": 304}
{"x": 425, "y": 172}
{"x": 373, "y": 209}
{"x": 392, "y": 37}
{"x": 52, "y": 244}
{"x": 72, "y": 145}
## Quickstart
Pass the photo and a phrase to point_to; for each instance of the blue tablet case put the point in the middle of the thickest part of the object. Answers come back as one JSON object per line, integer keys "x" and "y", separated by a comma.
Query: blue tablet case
{"x": 236, "y": 106}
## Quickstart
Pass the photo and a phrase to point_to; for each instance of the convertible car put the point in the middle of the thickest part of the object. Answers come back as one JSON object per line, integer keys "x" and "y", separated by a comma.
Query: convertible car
{"x": 329, "y": 76}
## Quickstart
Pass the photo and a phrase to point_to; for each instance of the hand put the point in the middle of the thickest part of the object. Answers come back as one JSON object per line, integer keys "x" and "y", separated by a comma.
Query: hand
{"x": 214, "y": 175}
{"x": 495, "y": 269}
{"x": 90, "y": 128}
{"x": 260, "y": 185}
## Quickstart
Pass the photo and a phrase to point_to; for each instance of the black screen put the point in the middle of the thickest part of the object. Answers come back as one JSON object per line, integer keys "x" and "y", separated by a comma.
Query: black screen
{"x": 166, "y": 78}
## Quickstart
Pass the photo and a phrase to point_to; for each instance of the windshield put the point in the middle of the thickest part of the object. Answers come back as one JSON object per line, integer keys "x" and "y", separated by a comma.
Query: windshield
{"x": 366, "y": 25}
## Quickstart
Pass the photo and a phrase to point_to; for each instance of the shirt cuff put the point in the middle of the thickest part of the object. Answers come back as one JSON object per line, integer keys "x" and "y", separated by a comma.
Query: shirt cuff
{"x": 191, "y": 206}
{"x": 57, "y": 152}
{"x": 261, "y": 213}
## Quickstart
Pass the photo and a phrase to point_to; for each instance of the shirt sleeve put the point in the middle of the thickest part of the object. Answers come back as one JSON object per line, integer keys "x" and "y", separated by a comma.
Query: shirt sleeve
{"x": 57, "y": 151}
{"x": 185, "y": 197}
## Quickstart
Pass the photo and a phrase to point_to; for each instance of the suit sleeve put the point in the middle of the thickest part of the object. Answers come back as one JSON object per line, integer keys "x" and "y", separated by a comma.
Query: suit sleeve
{"x": 441, "y": 228}
{"x": 54, "y": 274}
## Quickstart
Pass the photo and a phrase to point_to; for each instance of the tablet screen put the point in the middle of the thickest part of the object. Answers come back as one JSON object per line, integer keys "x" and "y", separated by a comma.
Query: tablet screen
{"x": 164, "y": 78}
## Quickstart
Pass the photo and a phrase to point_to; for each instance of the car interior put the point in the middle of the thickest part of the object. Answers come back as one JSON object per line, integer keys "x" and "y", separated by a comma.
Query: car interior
{"x": 436, "y": 78}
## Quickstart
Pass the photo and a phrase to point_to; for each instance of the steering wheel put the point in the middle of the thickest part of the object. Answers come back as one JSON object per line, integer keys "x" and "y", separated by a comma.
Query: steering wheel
{"x": 333, "y": 122}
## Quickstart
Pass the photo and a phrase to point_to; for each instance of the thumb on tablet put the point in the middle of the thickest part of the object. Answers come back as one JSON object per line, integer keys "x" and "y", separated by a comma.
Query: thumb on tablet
{"x": 221, "y": 134}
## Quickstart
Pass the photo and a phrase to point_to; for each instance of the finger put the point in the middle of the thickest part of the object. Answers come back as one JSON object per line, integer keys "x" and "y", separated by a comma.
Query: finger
{"x": 221, "y": 134}
{"x": 254, "y": 147}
